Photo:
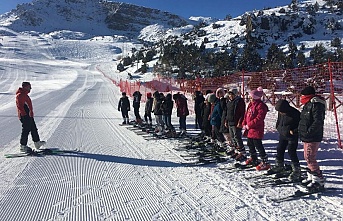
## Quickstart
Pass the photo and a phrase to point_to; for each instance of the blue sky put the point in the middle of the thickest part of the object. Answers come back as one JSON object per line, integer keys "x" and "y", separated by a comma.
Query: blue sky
{"x": 213, "y": 8}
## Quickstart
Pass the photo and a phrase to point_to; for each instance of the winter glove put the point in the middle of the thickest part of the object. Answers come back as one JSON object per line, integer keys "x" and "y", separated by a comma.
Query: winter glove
{"x": 245, "y": 133}
{"x": 245, "y": 127}
{"x": 31, "y": 113}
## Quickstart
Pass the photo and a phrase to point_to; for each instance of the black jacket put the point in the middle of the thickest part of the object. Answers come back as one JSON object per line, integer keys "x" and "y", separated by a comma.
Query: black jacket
{"x": 288, "y": 120}
{"x": 148, "y": 105}
{"x": 167, "y": 105}
{"x": 124, "y": 104}
{"x": 198, "y": 103}
{"x": 158, "y": 106}
{"x": 311, "y": 125}
{"x": 137, "y": 99}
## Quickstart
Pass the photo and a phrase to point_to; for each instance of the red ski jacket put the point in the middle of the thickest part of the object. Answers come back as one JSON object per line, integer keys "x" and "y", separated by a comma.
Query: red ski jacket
{"x": 22, "y": 100}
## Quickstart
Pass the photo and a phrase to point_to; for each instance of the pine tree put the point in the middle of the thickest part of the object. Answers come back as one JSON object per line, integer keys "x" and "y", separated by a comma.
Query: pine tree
{"x": 319, "y": 54}
{"x": 275, "y": 58}
{"x": 250, "y": 60}
{"x": 336, "y": 42}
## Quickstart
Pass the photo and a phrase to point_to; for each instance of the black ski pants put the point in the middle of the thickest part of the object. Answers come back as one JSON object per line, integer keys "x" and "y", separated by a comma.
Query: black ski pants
{"x": 254, "y": 144}
{"x": 28, "y": 125}
{"x": 291, "y": 146}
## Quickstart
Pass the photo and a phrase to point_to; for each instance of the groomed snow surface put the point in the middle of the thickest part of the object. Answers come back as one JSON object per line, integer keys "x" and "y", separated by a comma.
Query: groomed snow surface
{"x": 119, "y": 175}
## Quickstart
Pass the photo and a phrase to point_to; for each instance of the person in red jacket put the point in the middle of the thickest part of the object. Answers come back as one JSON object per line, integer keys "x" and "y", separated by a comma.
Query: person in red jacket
{"x": 182, "y": 111}
{"x": 25, "y": 114}
{"x": 253, "y": 123}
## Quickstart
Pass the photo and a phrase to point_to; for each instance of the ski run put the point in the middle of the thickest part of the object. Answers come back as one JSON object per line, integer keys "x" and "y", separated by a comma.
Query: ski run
{"x": 117, "y": 174}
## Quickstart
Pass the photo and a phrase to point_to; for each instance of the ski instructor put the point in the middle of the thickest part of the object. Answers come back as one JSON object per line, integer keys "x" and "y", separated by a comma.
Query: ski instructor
{"x": 25, "y": 114}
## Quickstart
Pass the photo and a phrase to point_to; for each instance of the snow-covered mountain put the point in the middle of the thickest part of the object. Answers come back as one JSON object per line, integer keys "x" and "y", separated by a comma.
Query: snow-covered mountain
{"x": 93, "y": 18}
{"x": 304, "y": 23}
{"x": 120, "y": 173}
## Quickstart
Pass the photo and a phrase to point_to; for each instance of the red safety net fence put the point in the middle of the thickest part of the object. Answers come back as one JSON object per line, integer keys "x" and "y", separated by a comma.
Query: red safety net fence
{"x": 327, "y": 78}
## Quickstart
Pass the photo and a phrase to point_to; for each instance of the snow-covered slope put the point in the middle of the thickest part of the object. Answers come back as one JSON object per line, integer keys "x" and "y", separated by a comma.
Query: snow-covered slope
{"x": 119, "y": 175}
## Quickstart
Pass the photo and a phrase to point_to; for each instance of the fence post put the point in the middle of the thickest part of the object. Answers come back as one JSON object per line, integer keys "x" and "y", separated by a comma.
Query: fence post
{"x": 243, "y": 86}
{"x": 333, "y": 100}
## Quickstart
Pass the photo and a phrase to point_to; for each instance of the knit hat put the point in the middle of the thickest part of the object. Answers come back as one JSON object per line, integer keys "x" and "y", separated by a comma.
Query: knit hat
{"x": 233, "y": 91}
{"x": 282, "y": 106}
{"x": 208, "y": 92}
{"x": 211, "y": 98}
{"x": 308, "y": 90}
{"x": 219, "y": 90}
{"x": 25, "y": 84}
{"x": 256, "y": 94}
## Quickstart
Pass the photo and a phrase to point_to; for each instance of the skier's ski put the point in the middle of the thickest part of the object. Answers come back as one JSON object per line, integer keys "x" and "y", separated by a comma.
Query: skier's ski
{"x": 205, "y": 161}
{"x": 268, "y": 178}
{"x": 273, "y": 182}
{"x": 46, "y": 151}
{"x": 299, "y": 194}
{"x": 272, "y": 174}
{"x": 235, "y": 167}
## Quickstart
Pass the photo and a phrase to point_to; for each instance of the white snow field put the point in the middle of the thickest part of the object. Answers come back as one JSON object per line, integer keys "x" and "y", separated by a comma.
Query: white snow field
{"x": 119, "y": 175}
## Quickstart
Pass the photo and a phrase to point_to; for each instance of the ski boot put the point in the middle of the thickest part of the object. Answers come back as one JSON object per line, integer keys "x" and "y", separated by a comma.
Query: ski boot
{"x": 317, "y": 184}
{"x": 295, "y": 175}
{"x": 25, "y": 149}
{"x": 38, "y": 144}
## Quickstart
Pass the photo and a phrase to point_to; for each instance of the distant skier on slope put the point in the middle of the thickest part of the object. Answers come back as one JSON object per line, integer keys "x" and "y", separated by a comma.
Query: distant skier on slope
{"x": 148, "y": 109}
{"x": 136, "y": 105}
{"x": 25, "y": 114}
{"x": 124, "y": 107}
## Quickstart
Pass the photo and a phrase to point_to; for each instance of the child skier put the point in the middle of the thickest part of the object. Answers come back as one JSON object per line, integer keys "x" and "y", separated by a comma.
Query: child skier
{"x": 124, "y": 107}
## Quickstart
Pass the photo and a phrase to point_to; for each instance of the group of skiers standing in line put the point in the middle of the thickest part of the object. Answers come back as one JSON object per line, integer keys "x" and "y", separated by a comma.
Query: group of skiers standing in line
{"x": 161, "y": 106}
{"x": 223, "y": 117}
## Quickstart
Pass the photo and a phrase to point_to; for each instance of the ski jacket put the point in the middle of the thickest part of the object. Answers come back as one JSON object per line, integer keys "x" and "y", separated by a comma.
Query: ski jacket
{"x": 311, "y": 125}
{"x": 216, "y": 115}
{"x": 205, "y": 113}
{"x": 288, "y": 121}
{"x": 254, "y": 119}
{"x": 198, "y": 102}
{"x": 124, "y": 104}
{"x": 136, "y": 99}
{"x": 167, "y": 105}
{"x": 181, "y": 105}
{"x": 223, "y": 129}
{"x": 148, "y": 105}
{"x": 235, "y": 111}
{"x": 158, "y": 106}
{"x": 23, "y": 103}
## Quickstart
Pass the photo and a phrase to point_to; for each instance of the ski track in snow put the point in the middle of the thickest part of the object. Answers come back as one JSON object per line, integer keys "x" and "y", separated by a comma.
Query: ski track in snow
{"x": 118, "y": 175}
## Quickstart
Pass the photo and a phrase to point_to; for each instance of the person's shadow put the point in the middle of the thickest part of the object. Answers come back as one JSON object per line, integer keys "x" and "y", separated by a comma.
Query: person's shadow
{"x": 116, "y": 159}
